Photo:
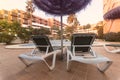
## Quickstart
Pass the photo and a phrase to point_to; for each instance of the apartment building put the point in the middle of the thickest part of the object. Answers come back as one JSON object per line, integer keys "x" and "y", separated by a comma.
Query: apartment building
{"x": 22, "y": 17}
{"x": 111, "y": 25}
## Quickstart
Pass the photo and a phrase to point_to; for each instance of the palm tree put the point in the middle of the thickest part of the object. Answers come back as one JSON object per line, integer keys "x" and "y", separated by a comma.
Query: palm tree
{"x": 30, "y": 9}
{"x": 88, "y": 26}
{"x": 72, "y": 21}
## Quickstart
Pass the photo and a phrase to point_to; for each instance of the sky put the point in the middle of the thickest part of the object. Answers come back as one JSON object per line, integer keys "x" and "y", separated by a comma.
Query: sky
{"x": 90, "y": 15}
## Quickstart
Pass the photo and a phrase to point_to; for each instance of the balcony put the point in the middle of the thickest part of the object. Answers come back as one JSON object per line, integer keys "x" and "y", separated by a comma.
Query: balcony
{"x": 14, "y": 14}
{"x": 14, "y": 19}
{"x": 1, "y": 16}
{"x": 25, "y": 17}
{"x": 25, "y": 22}
{"x": 33, "y": 20}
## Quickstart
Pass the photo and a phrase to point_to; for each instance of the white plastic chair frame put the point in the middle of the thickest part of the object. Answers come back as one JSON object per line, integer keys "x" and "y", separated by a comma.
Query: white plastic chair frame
{"x": 33, "y": 56}
{"x": 117, "y": 50}
{"x": 89, "y": 60}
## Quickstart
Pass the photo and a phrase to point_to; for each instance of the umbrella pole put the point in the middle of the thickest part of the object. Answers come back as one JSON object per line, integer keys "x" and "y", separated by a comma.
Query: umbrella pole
{"x": 61, "y": 18}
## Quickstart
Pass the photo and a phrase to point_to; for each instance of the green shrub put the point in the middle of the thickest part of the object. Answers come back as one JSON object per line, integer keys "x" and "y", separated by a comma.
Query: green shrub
{"x": 118, "y": 36}
{"x": 100, "y": 32}
{"x": 6, "y": 38}
{"x": 24, "y": 35}
{"x": 112, "y": 36}
{"x": 44, "y": 31}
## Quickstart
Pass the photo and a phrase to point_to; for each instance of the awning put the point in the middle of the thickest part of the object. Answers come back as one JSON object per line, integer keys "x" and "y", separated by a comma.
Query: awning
{"x": 113, "y": 14}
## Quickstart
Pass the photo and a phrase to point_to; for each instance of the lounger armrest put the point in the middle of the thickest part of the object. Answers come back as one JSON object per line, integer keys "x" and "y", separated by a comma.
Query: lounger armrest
{"x": 69, "y": 53}
{"x": 48, "y": 46}
{"x": 93, "y": 53}
{"x": 33, "y": 51}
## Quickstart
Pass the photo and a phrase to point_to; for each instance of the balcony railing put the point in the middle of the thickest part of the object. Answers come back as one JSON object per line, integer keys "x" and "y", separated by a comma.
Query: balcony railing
{"x": 14, "y": 14}
{"x": 25, "y": 22}
{"x": 25, "y": 17}
{"x": 1, "y": 16}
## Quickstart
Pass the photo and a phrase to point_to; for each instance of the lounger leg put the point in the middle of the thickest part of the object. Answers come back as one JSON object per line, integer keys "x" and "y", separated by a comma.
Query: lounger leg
{"x": 53, "y": 62}
{"x": 68, "y": 66}
{"x": 105, "y": 66}
{"x": 68, "y": 62}
{"x": 69, "y": 57}
{"x": 23, "y": 61}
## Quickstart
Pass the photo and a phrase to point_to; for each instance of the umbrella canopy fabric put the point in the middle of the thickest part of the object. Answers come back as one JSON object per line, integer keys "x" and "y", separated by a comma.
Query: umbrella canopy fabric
{"x": 61, "y": 7}
{"x": 113, "y": 14}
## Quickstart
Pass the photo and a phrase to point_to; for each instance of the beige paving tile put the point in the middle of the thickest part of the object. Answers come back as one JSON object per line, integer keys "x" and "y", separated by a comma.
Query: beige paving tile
{"x": 11, "y": 68}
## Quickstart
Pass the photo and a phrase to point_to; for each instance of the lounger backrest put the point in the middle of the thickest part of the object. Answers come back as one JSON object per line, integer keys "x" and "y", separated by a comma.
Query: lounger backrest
{"x": 42, "y": 40}
{"x": 82, "y": 39}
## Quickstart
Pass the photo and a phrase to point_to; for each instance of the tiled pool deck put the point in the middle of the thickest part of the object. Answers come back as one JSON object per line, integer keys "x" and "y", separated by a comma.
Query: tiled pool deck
{"x": 11, "y": 68}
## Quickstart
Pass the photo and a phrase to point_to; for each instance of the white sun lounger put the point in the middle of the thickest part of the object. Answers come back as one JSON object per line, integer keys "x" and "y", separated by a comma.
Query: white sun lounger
{"x": 115, "y": 46}
{"x": 80, "y": 46}
{"x": 42, "y": 50}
